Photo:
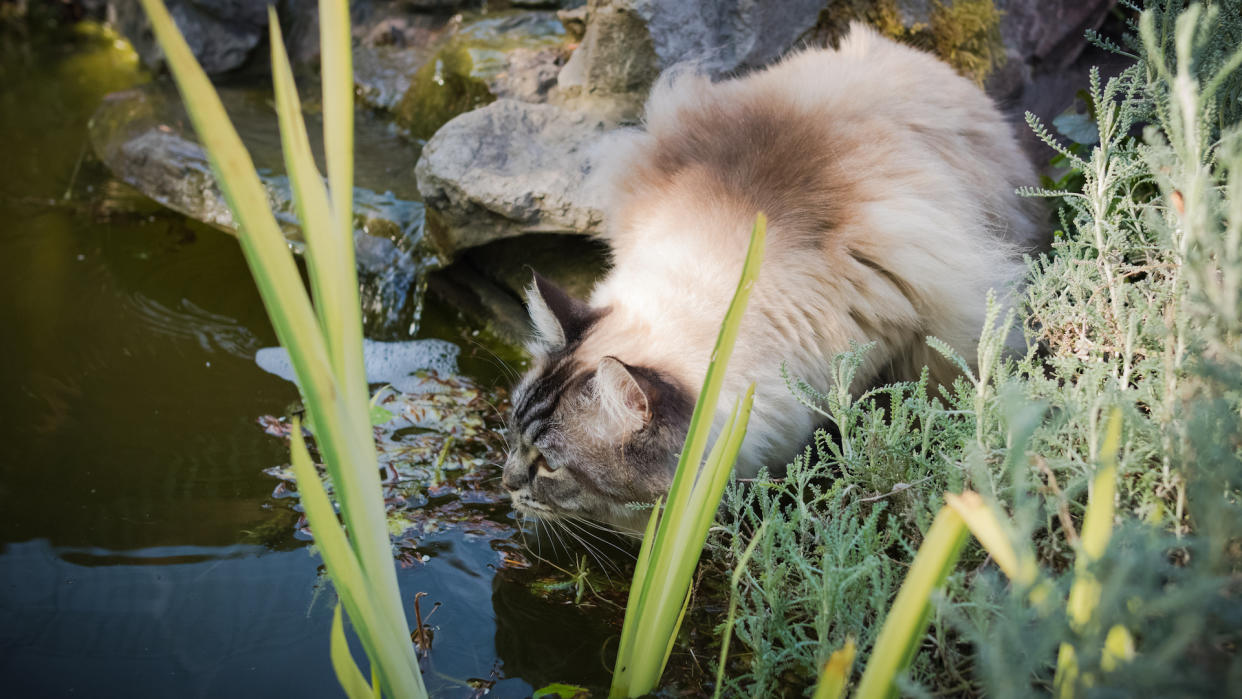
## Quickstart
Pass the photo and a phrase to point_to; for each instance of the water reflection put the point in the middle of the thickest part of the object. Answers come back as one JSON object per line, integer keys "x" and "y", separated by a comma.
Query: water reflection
{"x": 142, "y": 553}
{"x": 220, "y": 622}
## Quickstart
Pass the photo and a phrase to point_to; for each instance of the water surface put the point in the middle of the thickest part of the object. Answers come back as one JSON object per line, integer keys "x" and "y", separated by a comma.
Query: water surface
{"x": 141, "y": 552}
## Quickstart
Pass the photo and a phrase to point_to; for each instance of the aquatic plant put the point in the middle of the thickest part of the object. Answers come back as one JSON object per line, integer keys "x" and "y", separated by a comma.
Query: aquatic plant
{"x": 1107, "y": 457}
{"x": 676, "y": 532}
{"x": 324, "y": 340}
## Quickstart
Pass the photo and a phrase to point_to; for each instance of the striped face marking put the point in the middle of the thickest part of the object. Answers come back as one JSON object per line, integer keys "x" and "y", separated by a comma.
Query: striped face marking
{"x": 588, "y": 434}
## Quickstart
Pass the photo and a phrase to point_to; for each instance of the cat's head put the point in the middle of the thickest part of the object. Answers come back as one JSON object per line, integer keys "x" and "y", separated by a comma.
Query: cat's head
{"x": 589, "y": 433}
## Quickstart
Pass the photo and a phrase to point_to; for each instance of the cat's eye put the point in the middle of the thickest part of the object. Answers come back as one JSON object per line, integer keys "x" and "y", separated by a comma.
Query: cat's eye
{"x": 541, "y": 465}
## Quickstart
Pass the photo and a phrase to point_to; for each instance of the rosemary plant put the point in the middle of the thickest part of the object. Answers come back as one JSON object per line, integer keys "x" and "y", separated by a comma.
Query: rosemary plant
{"x": 1106, "y": 459}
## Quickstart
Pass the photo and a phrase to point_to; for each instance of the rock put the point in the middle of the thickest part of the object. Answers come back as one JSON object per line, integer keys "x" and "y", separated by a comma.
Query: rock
{"x": 509, "y": 168}
{"x": 488, "y": 283}
{"x": 529, "y": 74}
{"x": 574, "y": 21}
{"x": 1042, "y": 38}
{"x": 143, "y": 136}
{"x": 226, "y": 35}
{"x": 512, "y": 54}
{"x": 382, "y": 73}
{"x": 628, "y": 43}
{"x": 221, "y": 33}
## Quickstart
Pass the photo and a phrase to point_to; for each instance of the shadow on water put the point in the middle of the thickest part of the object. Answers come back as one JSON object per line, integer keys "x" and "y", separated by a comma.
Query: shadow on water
{"x": 130, "y": 460}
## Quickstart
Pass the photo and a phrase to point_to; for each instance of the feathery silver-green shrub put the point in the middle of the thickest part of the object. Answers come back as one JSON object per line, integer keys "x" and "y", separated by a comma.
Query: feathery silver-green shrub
{"x": 1138, "y": 307}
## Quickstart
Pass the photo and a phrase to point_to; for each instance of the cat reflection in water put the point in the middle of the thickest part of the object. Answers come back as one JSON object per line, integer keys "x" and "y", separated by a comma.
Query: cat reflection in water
{"x": 888, "y": 181}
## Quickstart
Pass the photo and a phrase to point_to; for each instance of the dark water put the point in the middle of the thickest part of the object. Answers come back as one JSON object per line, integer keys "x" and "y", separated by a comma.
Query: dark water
{"x": 141, "y": 554}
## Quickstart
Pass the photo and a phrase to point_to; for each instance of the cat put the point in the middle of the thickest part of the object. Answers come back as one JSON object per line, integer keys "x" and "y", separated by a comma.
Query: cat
{"x": 889, "y": 185}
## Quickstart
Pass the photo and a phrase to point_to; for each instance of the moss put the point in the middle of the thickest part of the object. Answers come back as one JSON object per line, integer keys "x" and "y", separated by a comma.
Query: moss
{"x": 459, "y": 76}
{"x": 443, "y": 88}
{"x": 964, "y": 33}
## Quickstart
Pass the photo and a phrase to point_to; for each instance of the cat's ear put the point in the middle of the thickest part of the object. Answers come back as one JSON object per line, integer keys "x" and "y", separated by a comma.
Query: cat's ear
{"x": 621, "y": 395}
{"x": 558, "y": 317}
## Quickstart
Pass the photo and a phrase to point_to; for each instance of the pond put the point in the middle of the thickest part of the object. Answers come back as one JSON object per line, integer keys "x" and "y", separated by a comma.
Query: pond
{"x": 142, "y": 551}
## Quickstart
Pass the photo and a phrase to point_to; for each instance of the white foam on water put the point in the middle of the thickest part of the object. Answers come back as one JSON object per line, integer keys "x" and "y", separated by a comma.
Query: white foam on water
{"x": 386, "y": 362}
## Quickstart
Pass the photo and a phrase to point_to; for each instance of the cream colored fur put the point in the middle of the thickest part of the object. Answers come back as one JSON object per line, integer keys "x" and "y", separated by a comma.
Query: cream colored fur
{"x": 920, "y": 171}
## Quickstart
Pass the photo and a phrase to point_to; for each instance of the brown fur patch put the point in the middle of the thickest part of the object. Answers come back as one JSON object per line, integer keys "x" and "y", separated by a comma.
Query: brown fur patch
{"x": 757, "y": 155}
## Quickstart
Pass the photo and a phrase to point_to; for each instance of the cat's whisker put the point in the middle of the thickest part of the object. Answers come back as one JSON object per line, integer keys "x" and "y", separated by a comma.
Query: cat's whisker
{"x": 601, "y": 560}
{"x": 626, "y": 534}
{"x": 538, "y": 539}
{"x": 581, "y": 523}
{"x": 496, "y": 361}
{"x": 555, "y": 527}
{"x": 504, "y": 419}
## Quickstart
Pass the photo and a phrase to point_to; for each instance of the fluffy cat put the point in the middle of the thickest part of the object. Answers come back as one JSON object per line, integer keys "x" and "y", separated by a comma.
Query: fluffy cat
{"x": 888, "y": 181}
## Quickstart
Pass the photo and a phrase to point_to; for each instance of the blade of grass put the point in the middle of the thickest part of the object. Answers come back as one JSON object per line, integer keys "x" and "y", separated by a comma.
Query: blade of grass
{"x": 309, "y": 194}
{"x": 705, "y": 407}
{"x": 985, "y": 524}
{"x": 1097, "y": 530}
{"x": 836, "y": 673}
{"x": 660, "y": 617}
{"x": 658, "y": 594}
{"x": 336, "y": 69}
{"x": 347, "y": 672}
{"x": 989, "y": 528}
{"x": 910, "y": 614}
{"x": 337, "y": 74}
{"x": 267, "y": 253}
{"x": 624, "y": 666}
{"x": 353, "y": 471}
{"x": 736, "y": 579}
{"x": 265, "y": 248}
{"x": 398, "y": 674}
{"x": 344, "y": 434}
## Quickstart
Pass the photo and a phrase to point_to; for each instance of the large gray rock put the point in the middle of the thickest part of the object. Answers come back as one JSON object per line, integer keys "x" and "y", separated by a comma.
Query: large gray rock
{"x": 509, "y": 168}
{"x": 222, "y": 33}
{"x": 144, "y": 138}
{"x": 1041, "y": 38}
{"x": 628, "y": 42}
{"x": 427, "y": 74}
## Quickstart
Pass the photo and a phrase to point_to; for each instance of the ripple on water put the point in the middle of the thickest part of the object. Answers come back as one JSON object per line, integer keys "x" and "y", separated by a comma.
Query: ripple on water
{"x": 189, "y": 321}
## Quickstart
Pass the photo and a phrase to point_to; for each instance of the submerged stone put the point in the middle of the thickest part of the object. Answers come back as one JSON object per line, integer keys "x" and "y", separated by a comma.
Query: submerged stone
{"x": 145, "y": 138}
{"x": 394, "y": 363}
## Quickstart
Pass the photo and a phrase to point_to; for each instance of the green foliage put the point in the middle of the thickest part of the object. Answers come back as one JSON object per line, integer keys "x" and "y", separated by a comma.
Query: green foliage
{"x": 558, "y": 690}
{"x": 324, "y": 340}
{"x": 1136, "y": 311}
{"x": 676, "y": 533}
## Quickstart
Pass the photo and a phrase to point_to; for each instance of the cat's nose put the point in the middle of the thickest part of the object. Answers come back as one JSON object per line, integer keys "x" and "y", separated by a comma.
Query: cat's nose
{"x": 517, "y": 473}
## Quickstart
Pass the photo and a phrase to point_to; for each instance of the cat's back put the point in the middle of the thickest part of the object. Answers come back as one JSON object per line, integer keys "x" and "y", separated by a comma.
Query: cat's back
{"x": 818, "y": 142}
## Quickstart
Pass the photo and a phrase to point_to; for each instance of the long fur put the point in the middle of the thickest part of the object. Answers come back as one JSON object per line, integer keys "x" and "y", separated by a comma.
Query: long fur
{"x": 888, "y": 181}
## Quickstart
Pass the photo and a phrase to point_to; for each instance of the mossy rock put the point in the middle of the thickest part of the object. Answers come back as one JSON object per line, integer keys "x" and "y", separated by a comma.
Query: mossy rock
{"x": 964, "y": 33}
{"x": 462, "y": 74}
